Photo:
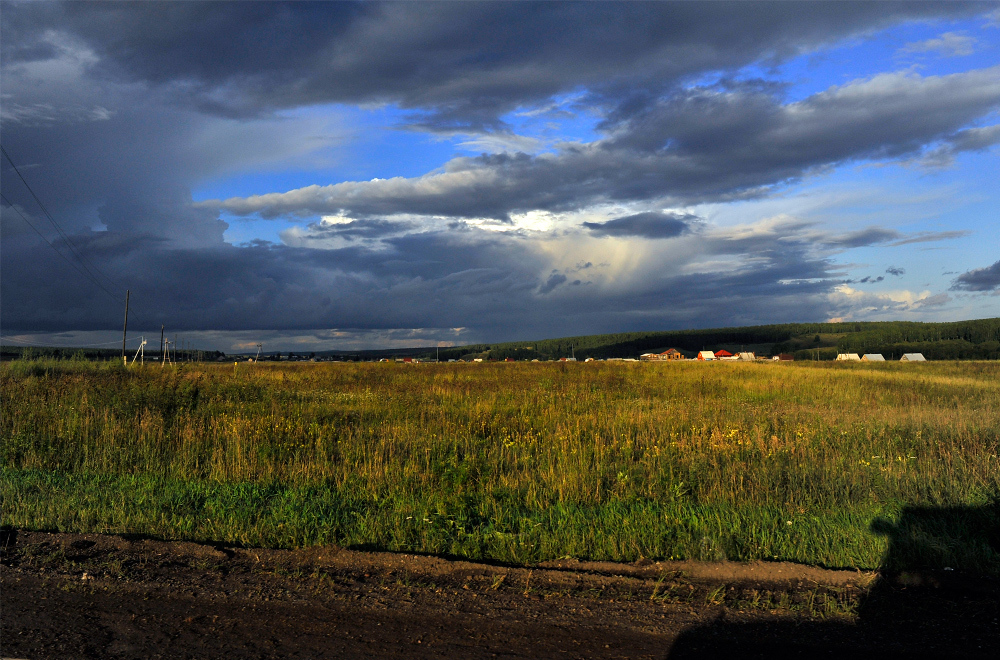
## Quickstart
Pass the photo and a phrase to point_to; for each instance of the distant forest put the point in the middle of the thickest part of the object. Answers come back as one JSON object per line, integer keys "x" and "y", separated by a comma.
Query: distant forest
{"x": 960, "y": 340}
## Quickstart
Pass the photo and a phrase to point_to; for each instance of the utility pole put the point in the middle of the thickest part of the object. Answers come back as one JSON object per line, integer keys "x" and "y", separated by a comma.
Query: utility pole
{"x": 140, "y": 352}
{"x": 161, "y": 344}
{"x": 125, "y": 329}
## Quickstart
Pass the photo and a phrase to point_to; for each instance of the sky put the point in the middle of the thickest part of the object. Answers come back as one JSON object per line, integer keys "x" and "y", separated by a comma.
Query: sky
{"x": 316, "y": 176}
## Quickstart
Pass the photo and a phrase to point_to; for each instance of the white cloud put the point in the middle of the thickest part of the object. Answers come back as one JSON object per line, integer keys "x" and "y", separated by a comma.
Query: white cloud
{"x": 856, "y": 305}
{"x": 949, "y": 44}
{"x": 500, "y": 142}
{"x": 671, "y": 153}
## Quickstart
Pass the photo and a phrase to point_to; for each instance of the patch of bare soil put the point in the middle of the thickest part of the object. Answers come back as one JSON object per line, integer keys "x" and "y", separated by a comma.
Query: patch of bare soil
{"x": 97, "y": 596}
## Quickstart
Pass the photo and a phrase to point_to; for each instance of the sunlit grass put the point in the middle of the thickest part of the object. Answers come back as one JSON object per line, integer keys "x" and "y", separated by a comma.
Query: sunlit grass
{"x": 514, "y": 462}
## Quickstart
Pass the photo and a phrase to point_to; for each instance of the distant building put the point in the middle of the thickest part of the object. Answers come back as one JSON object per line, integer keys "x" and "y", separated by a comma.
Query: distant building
{"x": 746, "y": 356}
{"x": 723, "y": 354}
{"x": 848, "y": 357}
{"x": 784, "y": 357}
{"x": 872, "y": 357}
{"x": 706, "y": 355}
{"x": 913, "y": 357}
{"x": 669, "y": 354}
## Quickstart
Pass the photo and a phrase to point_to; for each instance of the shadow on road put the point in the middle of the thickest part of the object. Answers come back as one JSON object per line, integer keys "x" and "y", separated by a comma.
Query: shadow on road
{"x": 937, "y": 595}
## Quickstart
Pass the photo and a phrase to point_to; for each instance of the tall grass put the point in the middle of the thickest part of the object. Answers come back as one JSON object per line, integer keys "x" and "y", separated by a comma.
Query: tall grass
{"x": 511, "y": 462}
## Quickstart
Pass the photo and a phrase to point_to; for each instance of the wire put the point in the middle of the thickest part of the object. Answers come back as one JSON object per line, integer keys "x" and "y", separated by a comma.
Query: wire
{"x": 89, "y": 274}
{"x": 55, "y": 224}
{"x": 52, "y": 245}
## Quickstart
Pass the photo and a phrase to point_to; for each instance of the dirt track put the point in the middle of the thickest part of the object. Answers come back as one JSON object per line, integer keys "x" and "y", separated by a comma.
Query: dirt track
{"x": 94, "y": 596}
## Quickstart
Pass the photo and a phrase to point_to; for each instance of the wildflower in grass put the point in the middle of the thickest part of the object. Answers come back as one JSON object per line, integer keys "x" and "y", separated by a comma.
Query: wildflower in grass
{"x": 335, "y": 455}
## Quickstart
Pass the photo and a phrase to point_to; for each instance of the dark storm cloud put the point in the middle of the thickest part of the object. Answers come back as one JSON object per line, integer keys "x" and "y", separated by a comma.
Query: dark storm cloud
{"x": 699, "y": 145}
{"x": 554, "y": 280}
{"x": 227, "y": 288}
{"x": 433, "y": 279}
{"x": 979, "y": 279}
{"x": 117, "y": 110}
{"x": 133, "y": 170}
{"x": 464, "y": 64}
{"x": 645, "y": 225}
{"x": 357, "y": 229}
{"x": 892, "y": 270}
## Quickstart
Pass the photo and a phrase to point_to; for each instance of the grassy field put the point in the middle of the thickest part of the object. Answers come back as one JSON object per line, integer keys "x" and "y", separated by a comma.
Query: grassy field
{"x": 808, "y": 462}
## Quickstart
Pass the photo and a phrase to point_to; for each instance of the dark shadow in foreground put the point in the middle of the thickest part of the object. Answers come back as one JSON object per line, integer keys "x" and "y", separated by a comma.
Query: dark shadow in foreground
{"x": 937, "y": 596}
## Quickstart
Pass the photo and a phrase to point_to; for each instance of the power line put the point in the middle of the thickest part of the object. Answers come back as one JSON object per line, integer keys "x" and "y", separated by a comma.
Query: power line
{"x": 55, "y": 224}
{"x": 89, "y": 274}
{"x": 58, "y": 251}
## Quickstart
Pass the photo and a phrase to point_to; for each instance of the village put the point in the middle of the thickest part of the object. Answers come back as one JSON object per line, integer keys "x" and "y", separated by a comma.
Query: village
{"x": 676, "y": 355}
{"x": 749, "y": 356}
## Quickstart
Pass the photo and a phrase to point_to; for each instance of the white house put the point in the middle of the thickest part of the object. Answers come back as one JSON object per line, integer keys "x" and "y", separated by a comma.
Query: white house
{"x": 848, "y": 357}
{"x": 913, "y": 357}
{"x": 872, "y": 357}
{"x": 746, "y": 356}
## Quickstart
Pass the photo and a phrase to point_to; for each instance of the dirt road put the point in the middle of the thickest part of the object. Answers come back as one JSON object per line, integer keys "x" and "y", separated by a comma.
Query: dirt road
{"x": 95, "y": 596}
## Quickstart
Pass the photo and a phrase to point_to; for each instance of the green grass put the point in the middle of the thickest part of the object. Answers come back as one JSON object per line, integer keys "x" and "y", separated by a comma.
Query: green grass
{"x": 511, "y": 462}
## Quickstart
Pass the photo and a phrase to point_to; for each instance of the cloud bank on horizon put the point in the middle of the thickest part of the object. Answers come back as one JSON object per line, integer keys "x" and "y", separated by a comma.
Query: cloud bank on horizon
{"x": 340, "y": 175}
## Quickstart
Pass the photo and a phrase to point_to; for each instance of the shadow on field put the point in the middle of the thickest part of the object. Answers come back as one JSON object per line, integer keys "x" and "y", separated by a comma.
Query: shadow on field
{"x": 937, "y": 595}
